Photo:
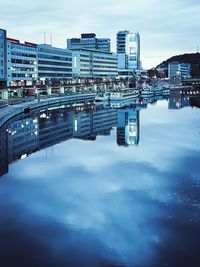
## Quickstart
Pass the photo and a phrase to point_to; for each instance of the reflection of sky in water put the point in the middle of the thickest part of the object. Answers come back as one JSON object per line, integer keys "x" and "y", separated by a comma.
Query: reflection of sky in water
{"x": 98, "y": 204}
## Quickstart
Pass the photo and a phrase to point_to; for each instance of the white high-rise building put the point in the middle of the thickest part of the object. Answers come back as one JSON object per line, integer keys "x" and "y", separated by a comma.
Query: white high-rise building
{"x": 128, "y": 50}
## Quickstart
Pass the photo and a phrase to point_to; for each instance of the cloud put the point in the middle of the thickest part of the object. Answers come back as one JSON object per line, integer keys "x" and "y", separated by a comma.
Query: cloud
{"x": 166, "y": 28}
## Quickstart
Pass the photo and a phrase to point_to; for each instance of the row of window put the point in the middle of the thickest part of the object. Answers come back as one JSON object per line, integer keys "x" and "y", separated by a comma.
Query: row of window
{"x": 44, "y": 62}
{"x": 97, "y": 70}
{"x": 22, "y": 75}
{"x": 23, "y": 61}
{"x": 54, "y": 69}
{"x": 23, "y": 54}
{"x": 53, "y": 57}
{"x": 54, "y": 51}
{"x": 51, "y": 75}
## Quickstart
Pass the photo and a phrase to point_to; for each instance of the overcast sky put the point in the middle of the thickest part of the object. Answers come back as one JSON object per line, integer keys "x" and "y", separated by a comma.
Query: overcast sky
{"x": 166, "y": 27}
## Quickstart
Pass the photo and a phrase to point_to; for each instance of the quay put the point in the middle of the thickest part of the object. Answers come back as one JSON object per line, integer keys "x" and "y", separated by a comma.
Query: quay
{"x": 15, "y": 101}
{"x": 78, "y": 86}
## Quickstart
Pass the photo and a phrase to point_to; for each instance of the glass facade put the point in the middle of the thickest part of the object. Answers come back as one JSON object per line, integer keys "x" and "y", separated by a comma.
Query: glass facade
{"x": 91, "y": 64}
{"x": 21, "y": 63}
{"x": 53, "y": 63}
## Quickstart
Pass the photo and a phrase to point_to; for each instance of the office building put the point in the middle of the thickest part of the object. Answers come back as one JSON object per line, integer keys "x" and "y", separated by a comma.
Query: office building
{"x": 178, "y": 70}
{"x": 92, "y": 64}
{"x": 2, "y": 57}
{"x": 128, "y": 50}
{"x": 53, "y": 63}
{"x": 89, "y": 41}
{"x": 21, "y": 63}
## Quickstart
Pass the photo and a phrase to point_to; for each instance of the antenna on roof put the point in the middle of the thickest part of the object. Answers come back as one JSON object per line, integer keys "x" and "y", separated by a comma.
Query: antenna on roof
{"x": 197, "y": 48}
{"x": 51, "y": 39}
{"x": 44, "y": 37}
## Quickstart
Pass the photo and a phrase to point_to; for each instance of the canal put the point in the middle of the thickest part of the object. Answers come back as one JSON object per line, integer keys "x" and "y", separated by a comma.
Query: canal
{"x": 102, "y": 185}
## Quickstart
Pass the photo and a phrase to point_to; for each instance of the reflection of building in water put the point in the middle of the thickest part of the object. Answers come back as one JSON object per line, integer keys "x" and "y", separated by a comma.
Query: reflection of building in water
{"x": 55, "y": 125}
{"x": 195, "y": 102}
{"x": 82, "y": 124}
{"x": 178, "y": 101}
{"x": 128, "y": 127}
{"x": 25, "y": 135}
{"x": 22, "y": 138}
{"x": 87, "y": 125}
{"x": 103, "y": 121}
{"x": 3, "y": 152}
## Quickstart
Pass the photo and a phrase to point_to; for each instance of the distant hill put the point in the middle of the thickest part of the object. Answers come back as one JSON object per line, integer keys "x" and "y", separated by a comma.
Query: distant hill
{"x": 193, "y": 59}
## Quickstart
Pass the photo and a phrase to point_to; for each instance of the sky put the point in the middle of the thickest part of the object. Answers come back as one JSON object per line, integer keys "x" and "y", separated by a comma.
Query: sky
{"x": 166, "y": 28}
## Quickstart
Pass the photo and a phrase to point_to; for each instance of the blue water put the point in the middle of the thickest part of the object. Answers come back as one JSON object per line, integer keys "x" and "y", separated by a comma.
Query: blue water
{"x": 126, "y": 194}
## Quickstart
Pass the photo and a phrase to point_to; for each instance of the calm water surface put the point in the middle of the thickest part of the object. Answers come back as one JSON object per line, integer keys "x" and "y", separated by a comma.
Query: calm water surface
{"x": 105, "y": 187}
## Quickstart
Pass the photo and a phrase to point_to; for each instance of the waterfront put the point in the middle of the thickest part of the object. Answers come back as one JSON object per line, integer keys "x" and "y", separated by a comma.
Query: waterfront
{"x": 102, "y": 186}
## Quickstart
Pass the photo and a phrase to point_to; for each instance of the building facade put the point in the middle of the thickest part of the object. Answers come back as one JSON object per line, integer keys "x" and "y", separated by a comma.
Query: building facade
{"x": 178, "y": 70}
{"x": 128, "y": 50}
{"x": 2, "y": 57}
{"x": 21, "y": 63}
{"x": 53, "y": 63}
{"x": 89, "y": 41}
{"x": 93, "y": 64}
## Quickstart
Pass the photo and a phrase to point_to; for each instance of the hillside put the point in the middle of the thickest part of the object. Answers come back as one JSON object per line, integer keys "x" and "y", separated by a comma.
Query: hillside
{"x": 193, "y": 59}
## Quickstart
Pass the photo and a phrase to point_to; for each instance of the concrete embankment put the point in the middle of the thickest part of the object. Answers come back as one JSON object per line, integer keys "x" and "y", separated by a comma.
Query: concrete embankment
{"x": 8, "y": 112}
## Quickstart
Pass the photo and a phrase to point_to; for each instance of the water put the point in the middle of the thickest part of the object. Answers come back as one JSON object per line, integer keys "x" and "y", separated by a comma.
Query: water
{"x": 98, "y": 186}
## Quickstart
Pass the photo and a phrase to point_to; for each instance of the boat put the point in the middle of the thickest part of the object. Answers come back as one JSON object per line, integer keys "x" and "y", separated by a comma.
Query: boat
{"x": 126, "y": 93}
{"x": 103, "y": 97}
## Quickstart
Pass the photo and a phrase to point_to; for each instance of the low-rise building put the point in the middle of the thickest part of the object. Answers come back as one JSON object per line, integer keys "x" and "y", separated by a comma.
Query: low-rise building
{"x": 53, "y": 63}
{"x": 21, "y": 63}
{"x": 178, "y": 70}
{"x": 92, "y": 63}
